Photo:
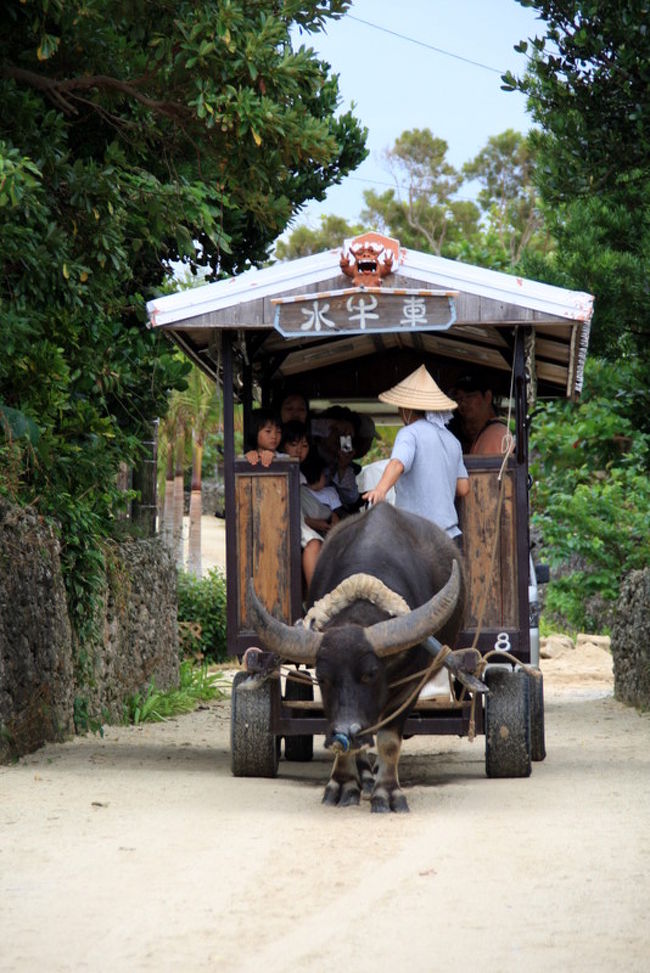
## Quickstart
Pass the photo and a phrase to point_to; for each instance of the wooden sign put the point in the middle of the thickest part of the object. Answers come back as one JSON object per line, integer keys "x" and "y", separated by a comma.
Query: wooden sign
{"x": 364, "y": 310}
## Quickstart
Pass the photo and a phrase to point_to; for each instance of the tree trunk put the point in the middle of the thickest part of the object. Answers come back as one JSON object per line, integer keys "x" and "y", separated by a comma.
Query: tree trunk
{"x": 144, "y": 507}
{"x": 179, "y": 500}
{"x": 167, "y": 525}
{"x": 123, "y": 485}
{"x": 196, "y": 509}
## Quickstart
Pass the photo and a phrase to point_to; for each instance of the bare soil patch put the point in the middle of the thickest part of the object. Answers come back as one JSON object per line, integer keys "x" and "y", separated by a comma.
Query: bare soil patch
{"x": 140, "y": 851}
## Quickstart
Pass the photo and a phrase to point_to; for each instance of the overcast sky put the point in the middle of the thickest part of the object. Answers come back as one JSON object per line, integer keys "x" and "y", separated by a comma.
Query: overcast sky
{"x": 398, "y": 84}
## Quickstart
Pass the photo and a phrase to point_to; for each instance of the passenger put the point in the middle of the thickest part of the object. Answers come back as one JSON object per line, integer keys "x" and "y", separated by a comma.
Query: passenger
{"x": 294, "y": 406}
{"x": 295, "y": 444}
{"x": 426, "y": 465}
{"x": 337, "y": 447}
{"x": 295, "y": 441}
{"x": 481, "y": 430}
{"x": 263, "y": 438}
{"x": 320, "y": 502}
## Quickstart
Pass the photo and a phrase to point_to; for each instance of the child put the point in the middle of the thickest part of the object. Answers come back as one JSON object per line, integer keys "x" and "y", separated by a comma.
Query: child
{"x": 295, "y": 442}
{"x": 320, "y": 503}
{"x": 263, "y": 439}
{"x": 315, "y": 517}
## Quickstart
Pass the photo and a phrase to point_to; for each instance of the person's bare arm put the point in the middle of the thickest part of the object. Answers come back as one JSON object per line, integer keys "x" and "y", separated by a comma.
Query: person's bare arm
{"x": 389, "y": 478}
{"x": 493, "y": 440}
{"x": 462, "y": 486}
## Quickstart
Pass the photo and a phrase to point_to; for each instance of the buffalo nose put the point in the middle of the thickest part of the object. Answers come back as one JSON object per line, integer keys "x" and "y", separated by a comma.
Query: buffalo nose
{"x": 340, "y": 743}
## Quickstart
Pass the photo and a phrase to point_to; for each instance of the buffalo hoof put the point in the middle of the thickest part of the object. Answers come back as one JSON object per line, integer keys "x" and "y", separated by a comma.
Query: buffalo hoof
{"x": 350, "y": 797}
{"x": 384, "y": 802}
{"x": 398, "y": 803}
{"x": 379, "y": 805}
{"x": 331, "y": 795}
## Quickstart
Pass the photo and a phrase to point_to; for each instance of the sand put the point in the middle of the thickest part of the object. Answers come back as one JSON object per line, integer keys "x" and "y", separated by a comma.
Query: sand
{"x": 139, "y": 851}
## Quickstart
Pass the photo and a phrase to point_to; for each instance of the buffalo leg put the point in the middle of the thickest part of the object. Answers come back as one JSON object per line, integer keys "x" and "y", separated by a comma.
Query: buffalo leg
{"x": 366, "y": 774}
{"x": 386, "y": 795}
{"x": 343, "y": 787}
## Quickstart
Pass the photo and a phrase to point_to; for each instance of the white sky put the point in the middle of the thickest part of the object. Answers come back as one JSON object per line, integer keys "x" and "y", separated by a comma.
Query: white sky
{"x": 399, "y": 85}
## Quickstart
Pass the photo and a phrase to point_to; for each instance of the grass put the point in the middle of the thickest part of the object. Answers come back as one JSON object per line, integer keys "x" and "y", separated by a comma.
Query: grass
{"x": 197, "y": 685}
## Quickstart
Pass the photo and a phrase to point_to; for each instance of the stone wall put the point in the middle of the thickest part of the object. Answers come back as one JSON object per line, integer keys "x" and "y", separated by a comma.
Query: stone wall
{"x": 139, "y": 628}
{"x": 46, "y": 681}
{"x": 36, "y": 683}
{"x": 631, "y": 640}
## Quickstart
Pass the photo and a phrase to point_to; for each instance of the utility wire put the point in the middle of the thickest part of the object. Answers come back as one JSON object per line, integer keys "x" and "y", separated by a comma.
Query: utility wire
{"x": 402, "y": 186}
{"x": 430, "y": 47}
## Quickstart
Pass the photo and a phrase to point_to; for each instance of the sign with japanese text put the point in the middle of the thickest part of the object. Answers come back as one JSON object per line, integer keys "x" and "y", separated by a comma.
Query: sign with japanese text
{"x": 360, "y": 310}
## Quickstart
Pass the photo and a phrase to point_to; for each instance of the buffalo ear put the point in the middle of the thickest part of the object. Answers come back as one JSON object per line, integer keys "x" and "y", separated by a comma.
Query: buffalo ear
{"x": 296, "y": 644}
{"x": 397, "y": 634}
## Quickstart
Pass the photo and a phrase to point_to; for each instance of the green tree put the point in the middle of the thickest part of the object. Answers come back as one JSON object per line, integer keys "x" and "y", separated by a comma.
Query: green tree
{"x": 588, "y": 88}
{"x": 201, "y": 403}
{"x": 133, "y": 135}
{"x": 427, "y": 217}
{"x": 304, "y": 241}
{"x": 508, "y": 197}
{"x": 591, "y": 493}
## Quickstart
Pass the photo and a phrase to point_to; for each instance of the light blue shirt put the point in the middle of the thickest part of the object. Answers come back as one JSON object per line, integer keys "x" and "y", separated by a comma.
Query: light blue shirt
{"x": 432, "y": 459}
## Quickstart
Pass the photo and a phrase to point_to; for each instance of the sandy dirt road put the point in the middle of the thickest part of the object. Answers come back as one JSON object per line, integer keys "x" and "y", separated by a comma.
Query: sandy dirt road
{"x": 140, "y": 851}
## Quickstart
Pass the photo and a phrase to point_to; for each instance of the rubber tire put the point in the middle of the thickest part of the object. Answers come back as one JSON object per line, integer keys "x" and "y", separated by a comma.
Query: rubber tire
{"x": 253, "y": 748}
{"x": 537, "y": 733}
{"x": 298, "y": 748}
{"x": 507, "y": 724}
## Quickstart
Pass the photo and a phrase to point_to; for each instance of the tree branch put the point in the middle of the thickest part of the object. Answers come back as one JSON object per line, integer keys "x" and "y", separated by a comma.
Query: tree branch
{"x": 63, "y": 91}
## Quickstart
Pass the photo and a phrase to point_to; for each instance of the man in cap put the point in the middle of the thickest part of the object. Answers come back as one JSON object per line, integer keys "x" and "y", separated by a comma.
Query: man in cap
{"x": 481, "y": 430}
{"x": 426, "y": 465}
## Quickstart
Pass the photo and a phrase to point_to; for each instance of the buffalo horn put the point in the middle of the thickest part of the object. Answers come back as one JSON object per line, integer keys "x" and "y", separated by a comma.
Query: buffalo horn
{"x": 294, "y": 644}
{"x": 397, "y": 634}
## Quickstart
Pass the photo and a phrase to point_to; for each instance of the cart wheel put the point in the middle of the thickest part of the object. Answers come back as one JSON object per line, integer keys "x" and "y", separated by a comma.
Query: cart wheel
{"x": 298, "y": 747}
{"x": 537, "y": 737}
{"x": 507, "y": 724}
{"x": 253, "y": 748}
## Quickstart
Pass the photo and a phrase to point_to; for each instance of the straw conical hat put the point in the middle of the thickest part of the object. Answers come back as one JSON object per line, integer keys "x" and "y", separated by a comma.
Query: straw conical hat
{"x": 418, "y": 391}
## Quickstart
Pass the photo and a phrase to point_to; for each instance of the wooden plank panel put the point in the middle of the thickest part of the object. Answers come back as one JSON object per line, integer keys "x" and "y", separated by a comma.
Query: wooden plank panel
{"x": 479, "y": 526}
{"x": 263, "y": 543}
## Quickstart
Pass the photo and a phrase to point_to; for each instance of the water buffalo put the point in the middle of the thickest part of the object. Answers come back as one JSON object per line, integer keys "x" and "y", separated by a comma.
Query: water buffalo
{"x": 363, "y": 652}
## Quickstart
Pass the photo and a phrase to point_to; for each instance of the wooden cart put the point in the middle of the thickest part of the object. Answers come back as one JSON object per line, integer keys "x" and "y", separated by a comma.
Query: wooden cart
{"x": 304, "y": 326}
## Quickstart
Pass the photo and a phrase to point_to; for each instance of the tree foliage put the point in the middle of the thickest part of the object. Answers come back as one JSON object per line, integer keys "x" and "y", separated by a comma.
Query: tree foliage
{"x": 591, "y": 494}
{"x": 588, "y": 88}
{"x": 303, "y": 240}
{"x": 424, "y": 215}
{"x": 133, "y": 135}
{"x": 425, "y": 212}
{"x": 508, "y": 198}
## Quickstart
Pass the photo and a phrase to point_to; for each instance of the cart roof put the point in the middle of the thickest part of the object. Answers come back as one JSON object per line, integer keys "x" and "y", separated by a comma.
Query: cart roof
{"x": 488, "y": 304}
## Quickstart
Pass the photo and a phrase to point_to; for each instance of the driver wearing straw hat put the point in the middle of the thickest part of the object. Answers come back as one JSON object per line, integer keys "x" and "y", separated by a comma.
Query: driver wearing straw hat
{"x": 426, "y": 466}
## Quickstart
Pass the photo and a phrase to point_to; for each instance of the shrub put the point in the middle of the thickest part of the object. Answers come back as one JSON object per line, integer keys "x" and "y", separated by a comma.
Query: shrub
{"x": 196, "y": 685}
{"x": 591, "y": 498}
{"x": 202, "y": 614}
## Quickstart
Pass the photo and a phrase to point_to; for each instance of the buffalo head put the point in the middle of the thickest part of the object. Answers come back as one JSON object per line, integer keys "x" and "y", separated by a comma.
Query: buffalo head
{"x": 351, "y": 660}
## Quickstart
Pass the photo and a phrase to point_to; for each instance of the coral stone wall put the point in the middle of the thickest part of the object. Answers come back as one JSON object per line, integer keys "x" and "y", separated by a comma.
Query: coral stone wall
{"x": 47, "y": 681}
{"x": 36, "y": 684}
{"x": 139, "y": 629}
{"x": 631, "y": 640}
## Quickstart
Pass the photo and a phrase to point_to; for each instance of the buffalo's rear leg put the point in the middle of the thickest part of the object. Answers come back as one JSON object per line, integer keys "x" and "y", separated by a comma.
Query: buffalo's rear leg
{"x": 366, "y": 773}
{"x": 387, "y": 795}
{"x": 343, "y": 787}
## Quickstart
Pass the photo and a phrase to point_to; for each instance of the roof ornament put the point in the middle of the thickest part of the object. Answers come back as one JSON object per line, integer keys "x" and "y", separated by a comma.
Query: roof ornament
{"x": 369, "y": 258}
